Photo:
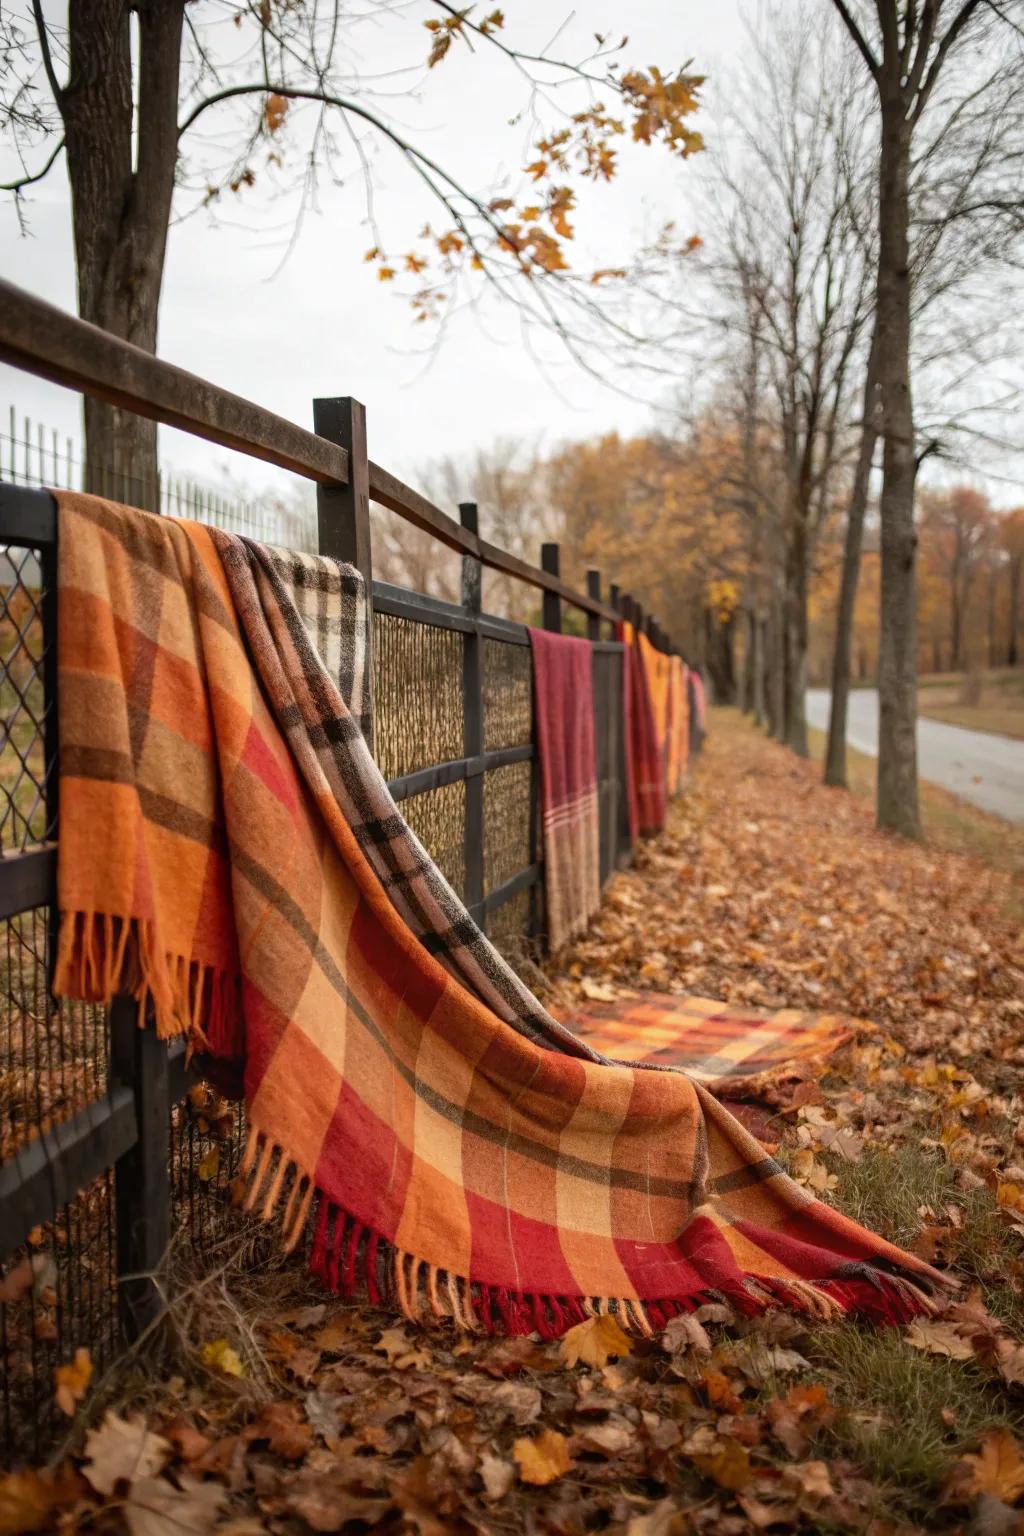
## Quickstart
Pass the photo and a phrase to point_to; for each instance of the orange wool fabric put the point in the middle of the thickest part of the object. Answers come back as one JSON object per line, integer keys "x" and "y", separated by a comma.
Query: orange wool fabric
{"x": 432, "y": 1153}
{"x": 678, "y": 727}
{"x": 732, "y": 1051}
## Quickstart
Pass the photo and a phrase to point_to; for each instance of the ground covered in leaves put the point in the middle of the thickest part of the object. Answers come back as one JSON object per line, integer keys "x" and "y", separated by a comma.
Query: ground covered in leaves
{"x": 272, "y": 1409}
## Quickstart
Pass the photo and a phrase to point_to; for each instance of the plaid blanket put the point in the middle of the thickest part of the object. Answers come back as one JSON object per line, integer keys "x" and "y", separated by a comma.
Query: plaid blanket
{"x": 438, "y": 1155}
{"x": 563, "y": 694}
{"x": 733, "y": 1051}
{"x": 678, "y": 728}
{"x": 645, "y": 746}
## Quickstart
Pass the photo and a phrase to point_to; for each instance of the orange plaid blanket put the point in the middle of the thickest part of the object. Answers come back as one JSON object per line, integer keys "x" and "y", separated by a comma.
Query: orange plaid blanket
{"x": 732, "y": 1051}
{"x": 432, "y": 1151}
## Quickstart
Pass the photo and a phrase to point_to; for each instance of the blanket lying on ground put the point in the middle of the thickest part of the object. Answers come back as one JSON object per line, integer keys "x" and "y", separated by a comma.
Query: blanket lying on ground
{"x": 437, "y": 1153}
{"x": 563, "y": 695}
{"x": 730, "y": 1050}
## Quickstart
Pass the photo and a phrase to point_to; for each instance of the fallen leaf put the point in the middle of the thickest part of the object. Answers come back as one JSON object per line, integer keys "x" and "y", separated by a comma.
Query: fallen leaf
{"x": 121, "y": 1451}
{"x": 16, "y": 1282}
{"x": 496, "y": 1474}
{"x": 282, "y": 1426}
{"x": 727, "y": 1463}
{"x": 158, "y": 1508}
{"x": 594, "y": 1342}
{"x": 71, "y": 1381}
{"x": 543, "y": 1460}
{"x": 219, "y": 1356}
{"x": 997, "y": 1469}
{"x": 938, "y": 1338}
{"x": 29, "y": 1500}
{"x": 685, "y": 1334}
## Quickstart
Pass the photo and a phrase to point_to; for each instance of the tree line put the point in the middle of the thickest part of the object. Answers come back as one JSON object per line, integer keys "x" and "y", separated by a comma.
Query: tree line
{"x": 841, "y": 311}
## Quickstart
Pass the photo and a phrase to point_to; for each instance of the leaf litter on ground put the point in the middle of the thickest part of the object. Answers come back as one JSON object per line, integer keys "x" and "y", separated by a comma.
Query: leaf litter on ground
{"x": 766, "y": 890}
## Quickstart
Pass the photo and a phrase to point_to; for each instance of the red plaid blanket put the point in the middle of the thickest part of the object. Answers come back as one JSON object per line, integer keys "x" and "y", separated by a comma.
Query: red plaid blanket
{"x": 646, "y": 748}
{"x": 213, "y": 862}
{"x": 563, "y": 694}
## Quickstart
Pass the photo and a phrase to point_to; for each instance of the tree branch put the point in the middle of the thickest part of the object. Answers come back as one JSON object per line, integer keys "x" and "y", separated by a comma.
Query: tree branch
{"x": 858, "y": 36}
{"x": 44, "y": 48}
{"x": 27, "y": 181}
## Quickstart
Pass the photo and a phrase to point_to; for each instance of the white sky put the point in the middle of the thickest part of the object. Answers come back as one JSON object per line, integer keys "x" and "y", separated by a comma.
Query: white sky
{"x": 324, "y": 324}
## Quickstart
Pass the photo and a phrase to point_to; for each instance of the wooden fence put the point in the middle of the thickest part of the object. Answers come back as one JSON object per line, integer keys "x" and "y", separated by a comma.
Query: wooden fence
{"x": 108, "y": 1144}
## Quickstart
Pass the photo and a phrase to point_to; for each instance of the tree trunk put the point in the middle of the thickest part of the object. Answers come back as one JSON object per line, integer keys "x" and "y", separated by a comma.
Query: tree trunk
{"x": 121, "y": 211}
{"x": 835, "y": 755}
{"x": 897, "y": 801}
{"x": 758, "y": 652}
{"x": 1016, "y": 565}
{"x": 796, "y": 642}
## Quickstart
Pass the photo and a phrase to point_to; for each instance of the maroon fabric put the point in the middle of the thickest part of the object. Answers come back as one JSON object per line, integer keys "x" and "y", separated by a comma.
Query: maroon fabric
{"x": 564, "y": 715}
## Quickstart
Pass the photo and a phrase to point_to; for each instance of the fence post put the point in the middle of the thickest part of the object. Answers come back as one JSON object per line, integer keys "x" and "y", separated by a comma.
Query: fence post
{"x": 343, "y": 511}
{"x": 549, "y": 561}
{"x": 142, "y": 1177}
{"x": 594, "y": 591}
{"x": 473, "y": 721}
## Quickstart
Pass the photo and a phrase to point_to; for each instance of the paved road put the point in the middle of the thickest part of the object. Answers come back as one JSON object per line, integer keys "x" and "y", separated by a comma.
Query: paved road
{"x": 987, "y": 770}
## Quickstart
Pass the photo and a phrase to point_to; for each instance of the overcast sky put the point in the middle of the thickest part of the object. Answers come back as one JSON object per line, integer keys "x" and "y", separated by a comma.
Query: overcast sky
{"x": 321, "y": 322}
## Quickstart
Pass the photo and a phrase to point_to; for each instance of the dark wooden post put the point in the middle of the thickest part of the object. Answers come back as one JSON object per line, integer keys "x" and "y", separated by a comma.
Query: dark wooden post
{"x": 594, "y": 591}
{"x": 614, "y": 600}
{"x": 142, "y": 1187}
{"x": 343, "y": 511}
{"x": 473, "y": 722}
{"x": 549, "y": 560}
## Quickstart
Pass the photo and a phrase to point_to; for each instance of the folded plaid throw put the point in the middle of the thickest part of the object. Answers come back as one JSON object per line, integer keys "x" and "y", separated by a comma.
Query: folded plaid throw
{"x": 215, "y": 863}
{"x": 730, "y": 1050}
{"x": 563, "y": 694}
{"x": 645, "y": 754}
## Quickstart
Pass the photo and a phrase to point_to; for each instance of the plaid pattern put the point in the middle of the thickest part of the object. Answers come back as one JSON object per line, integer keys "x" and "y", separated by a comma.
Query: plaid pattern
{"x": 444, "y": 1160}
{"x": 305, "y": 618}
{"x": 646, "y": 755}
{"x": 730, "y": 1050}
{"x": 563, "y": 693}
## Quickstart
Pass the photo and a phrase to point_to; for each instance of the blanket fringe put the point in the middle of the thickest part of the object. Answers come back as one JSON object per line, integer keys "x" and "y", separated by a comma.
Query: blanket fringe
{"x": 349, "y": 1256}
{"x": 100, "y": 955}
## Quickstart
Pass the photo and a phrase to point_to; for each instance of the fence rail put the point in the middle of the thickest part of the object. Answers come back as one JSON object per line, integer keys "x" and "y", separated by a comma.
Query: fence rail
{"x": 107, "y": 1141}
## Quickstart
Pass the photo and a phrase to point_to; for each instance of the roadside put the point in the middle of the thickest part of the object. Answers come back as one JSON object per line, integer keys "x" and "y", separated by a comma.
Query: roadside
{"x": 991, "y": 701}
{"x": 981, "y": 769}
{"x": 273, "y": 1408}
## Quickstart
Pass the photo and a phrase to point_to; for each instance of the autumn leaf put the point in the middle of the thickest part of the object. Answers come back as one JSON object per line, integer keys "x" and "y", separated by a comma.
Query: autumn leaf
{"x": 71, "y": 1381}
{"x": 594, "y": 1342}
{"x": 938, "y": 1338}
{"x": 156, "y": 1507}
{"x": 284, "y": 1429}
{"x": 121, "y": 1451}
{"x": 720, "y": 1457}
{"x": 997, "y": 1469}
{"x": 218, "y": 1355}
{"x": 209, "y": 1166}
{"x": 16, "y": 1282}
{"x": 275, "y": 110}
{"x": 29, "y": 1500}
{"x": 543, "y": 1460}
{"x": 496, "y": 1475}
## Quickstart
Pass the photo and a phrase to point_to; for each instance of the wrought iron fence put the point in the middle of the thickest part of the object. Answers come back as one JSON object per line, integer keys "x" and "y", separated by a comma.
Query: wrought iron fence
{"x": 107, "y": 1142}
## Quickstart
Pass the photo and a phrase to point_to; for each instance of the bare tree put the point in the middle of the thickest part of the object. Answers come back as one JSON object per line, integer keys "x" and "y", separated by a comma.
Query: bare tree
{"x": 789, "y": 275}
{"x": 907, "y": 49}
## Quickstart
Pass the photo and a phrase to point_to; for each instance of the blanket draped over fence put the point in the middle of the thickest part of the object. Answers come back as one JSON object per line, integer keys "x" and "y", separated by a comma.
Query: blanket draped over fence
{"x": 645, "y": 744}
{"x": 215, "y": 862}
{"x": 563, "y": 695}
{"x": 678, "y": 754}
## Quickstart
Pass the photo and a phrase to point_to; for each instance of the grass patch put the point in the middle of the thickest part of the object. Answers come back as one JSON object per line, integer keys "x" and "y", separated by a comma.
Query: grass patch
{"x": 905, "y": 1416}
